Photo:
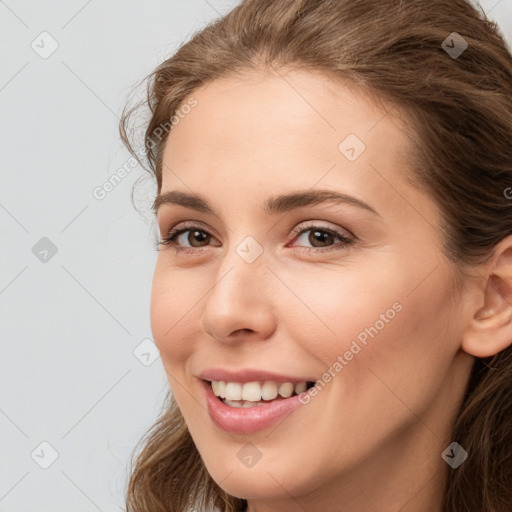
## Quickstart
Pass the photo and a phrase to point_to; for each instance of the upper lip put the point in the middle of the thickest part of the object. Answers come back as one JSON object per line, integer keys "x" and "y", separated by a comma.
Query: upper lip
{"x": 249, "y": 375}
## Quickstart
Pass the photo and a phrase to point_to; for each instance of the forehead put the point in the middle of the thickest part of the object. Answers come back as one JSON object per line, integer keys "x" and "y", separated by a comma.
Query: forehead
{"x": 281, "y": 116}
{"x": 273, "y": 131}
{"x": 286, "y": 104}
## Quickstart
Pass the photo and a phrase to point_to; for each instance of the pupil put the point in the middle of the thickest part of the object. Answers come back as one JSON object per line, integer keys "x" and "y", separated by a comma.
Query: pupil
{"x": 198, "y": 234}
{"x": 319, "y": 236}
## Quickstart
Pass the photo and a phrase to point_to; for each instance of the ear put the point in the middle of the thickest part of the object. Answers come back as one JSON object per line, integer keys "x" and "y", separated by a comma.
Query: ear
{"x": 490, "y": 328}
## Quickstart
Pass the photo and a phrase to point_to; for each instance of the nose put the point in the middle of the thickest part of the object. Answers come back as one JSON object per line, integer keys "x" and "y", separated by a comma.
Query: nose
{"x": 238, "y": 306}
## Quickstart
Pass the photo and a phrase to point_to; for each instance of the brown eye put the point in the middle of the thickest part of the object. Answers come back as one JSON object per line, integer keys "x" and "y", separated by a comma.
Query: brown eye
{"x": 187, "y": 238}
{"x": 322, "y": 237}
{"x": 196, "y": 236}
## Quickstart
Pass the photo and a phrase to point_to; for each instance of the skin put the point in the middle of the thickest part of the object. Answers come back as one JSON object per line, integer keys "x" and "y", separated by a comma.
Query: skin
{"x": 372, "y": 438}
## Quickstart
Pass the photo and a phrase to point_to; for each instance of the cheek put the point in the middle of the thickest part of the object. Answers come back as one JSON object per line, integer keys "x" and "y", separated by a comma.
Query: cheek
{"x": 171, "y": 311}
{"x": 371, "y": 331}
{"x": 337, "y": 312}
{"x": 403, "y": 363}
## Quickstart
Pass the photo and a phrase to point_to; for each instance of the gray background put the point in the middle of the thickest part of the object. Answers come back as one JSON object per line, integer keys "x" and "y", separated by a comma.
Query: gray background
{"x": 79, "y": 371}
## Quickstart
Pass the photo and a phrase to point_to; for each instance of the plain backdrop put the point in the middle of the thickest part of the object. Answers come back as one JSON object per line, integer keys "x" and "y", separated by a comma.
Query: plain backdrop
{"x": 81, "y": 380}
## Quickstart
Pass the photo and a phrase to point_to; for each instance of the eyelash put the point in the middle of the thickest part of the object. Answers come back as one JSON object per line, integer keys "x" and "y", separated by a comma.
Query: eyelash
{"x": 174, "y": 233}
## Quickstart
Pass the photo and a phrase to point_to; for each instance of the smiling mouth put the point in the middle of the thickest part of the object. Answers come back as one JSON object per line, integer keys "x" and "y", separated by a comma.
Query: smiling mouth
{"x": 257, "y": 393}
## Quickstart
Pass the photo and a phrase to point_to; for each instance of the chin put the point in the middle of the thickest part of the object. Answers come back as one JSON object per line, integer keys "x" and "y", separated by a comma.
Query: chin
{"x": 261, "y": 482}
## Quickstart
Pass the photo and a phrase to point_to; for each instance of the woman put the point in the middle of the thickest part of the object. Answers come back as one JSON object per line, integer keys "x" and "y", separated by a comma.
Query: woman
{"x": 332, "y": 297}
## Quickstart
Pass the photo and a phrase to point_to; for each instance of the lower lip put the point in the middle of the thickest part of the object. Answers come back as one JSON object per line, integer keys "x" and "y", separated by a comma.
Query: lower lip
{"x": 246, "y": 420}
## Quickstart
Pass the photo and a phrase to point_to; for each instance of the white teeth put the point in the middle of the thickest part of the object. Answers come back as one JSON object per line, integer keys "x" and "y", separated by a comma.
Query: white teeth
{"x": 221, "y": 388}
{"x": 269, "y": 390}
{"x": 215, "y": 387}
{"x": 300, "y": 387}
{"x": 251, "y": 391}
{"x": 242, "y": 403}
{"x": 239, "y": 394}
{"x": 233, "y": 391}
{"x": 286, "y": 389}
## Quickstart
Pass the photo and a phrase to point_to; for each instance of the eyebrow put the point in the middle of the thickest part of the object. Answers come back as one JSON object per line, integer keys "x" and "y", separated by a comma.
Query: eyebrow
{"x": 274, "y": 205}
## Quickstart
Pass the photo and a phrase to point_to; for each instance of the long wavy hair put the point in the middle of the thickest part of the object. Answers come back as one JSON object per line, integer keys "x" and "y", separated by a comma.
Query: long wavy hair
{"x": 459, "y": 112}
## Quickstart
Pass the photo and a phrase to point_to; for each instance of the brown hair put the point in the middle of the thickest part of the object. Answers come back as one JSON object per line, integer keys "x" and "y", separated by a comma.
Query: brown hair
{"x": 459, "y": 111}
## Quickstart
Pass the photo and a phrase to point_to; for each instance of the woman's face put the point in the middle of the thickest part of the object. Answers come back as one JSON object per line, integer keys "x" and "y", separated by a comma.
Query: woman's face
{"x": 353, "y": 293}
